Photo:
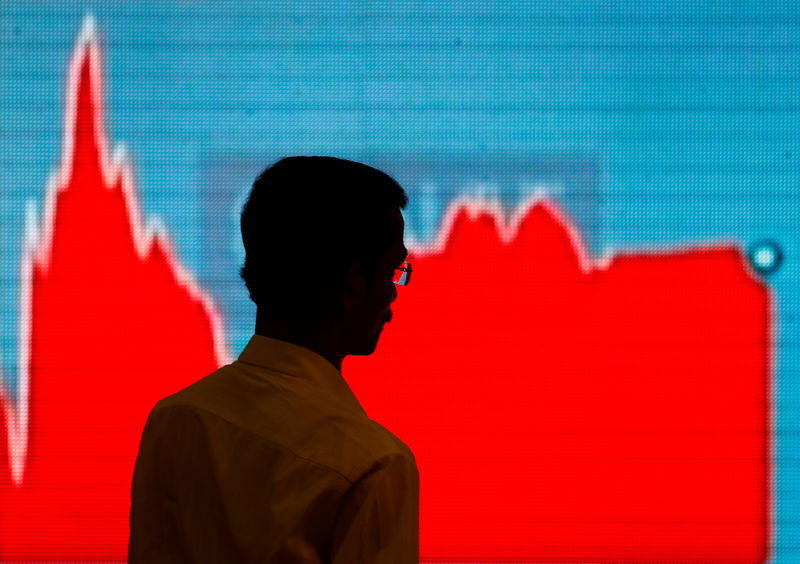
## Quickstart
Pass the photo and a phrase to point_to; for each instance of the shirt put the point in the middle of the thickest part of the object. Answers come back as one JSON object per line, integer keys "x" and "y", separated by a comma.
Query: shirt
{"x": 272, "y": 459}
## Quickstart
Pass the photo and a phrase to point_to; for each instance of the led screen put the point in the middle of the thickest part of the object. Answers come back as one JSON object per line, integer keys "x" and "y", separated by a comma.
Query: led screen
{"x": 596, "y": 359}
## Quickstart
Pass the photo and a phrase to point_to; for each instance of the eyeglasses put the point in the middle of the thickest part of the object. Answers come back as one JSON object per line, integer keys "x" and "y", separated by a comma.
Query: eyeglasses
{"x": 402, "y": 274}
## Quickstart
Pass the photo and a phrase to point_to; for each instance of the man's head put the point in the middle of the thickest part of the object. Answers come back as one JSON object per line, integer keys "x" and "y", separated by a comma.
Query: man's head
{"x": 322, "y": 238}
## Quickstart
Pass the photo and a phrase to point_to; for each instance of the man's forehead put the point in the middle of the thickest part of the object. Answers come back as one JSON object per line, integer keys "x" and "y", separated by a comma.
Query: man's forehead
{"x": 399, "y": 250}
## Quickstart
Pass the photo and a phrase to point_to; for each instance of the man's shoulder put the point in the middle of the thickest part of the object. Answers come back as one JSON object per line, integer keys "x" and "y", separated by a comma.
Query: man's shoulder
{"x": 250, "y": 408}
{"x": 203, "y": 392}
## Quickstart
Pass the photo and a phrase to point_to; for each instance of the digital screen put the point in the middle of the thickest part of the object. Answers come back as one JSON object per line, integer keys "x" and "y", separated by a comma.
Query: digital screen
{"x": 596, "y": 359}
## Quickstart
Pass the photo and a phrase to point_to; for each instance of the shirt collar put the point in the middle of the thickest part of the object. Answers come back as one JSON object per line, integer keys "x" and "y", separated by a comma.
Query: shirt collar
{"x": 294, "y": 360}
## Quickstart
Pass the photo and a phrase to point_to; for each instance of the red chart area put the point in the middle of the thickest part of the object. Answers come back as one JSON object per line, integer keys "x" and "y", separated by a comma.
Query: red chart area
{"x": 563, "y": 415}
{"x": 114, "y": 325}
{"x": 559, "y": 411}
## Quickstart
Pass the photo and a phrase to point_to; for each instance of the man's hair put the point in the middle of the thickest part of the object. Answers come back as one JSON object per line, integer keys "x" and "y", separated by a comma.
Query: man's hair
{"x": 305, "y": 221}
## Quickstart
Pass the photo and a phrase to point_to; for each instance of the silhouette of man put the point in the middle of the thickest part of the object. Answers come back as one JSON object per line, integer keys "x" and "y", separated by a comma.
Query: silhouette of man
{"x": 272, "y": 459}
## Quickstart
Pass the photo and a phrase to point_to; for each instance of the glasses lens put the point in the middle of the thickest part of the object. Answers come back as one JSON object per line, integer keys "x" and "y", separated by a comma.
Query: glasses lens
{"x": 402, "y": 274}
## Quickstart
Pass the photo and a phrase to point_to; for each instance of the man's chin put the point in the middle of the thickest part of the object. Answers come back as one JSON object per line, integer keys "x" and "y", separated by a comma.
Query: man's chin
{"x": 369, "y": 345}
{"x": 366, "y": 350}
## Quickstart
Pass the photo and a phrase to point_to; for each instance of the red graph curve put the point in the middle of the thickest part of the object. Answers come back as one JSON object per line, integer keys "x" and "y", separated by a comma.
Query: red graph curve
{"x": 111, "y": 324}
{"x": 564, "y": 411}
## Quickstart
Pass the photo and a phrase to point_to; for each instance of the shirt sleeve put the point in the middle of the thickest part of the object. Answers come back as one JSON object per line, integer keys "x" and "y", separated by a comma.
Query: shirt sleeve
{"x": 378, "y": 518}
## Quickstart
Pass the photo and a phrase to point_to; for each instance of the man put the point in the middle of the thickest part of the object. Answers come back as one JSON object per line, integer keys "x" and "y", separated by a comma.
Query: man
{"x": 272, "y": 459}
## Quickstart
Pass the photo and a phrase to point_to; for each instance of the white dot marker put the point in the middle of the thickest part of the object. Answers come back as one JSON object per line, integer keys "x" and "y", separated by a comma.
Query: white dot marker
{"x": 766, "y": 256}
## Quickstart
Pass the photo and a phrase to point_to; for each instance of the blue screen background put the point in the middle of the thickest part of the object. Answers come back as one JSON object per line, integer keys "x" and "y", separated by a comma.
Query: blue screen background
{"x": 655, "y": 125}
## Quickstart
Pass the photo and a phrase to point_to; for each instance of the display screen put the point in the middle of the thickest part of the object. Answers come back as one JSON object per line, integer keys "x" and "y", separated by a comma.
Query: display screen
{"x": 596, "y": 358}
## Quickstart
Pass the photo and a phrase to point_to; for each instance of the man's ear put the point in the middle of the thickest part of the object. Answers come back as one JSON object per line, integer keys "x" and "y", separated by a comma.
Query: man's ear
{"x": 354, "y": 288}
